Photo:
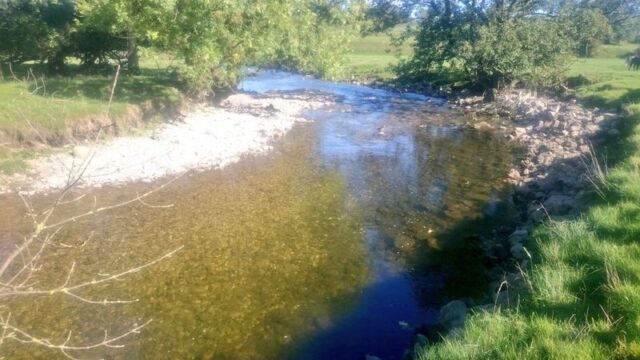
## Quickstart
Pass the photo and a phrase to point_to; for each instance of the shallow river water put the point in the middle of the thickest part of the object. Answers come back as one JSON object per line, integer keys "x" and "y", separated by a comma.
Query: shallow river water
{"x": 358, "y": 226}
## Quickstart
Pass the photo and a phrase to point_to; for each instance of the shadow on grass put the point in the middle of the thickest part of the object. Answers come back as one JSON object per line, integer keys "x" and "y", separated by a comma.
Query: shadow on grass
{"x": 130, "y": 89}
{"x": 157, "y": 85}
{"x": 601, "y": 100}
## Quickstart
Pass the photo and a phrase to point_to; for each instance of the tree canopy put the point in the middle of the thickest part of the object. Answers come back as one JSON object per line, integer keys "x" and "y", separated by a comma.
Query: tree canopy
{"x": 496, "y": 43}
{"x": 215, "y": 39}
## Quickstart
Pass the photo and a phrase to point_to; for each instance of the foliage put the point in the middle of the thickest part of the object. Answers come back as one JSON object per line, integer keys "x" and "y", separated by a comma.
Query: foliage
{"x": 588, "y": 28}
{"x": 386, "y": 14}
{"x": 215, "y": 39}
{"x": 487, "y": 46}
{"x": 35, "y": 30}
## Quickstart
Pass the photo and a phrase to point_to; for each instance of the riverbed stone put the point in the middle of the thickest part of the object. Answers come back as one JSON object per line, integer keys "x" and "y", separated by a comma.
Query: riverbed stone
{"x": 536, "y": 213}
{"x": 559, "y": 204}
{"x": 518, "y": 236}
{"x": 517, "y": 251}
{"x": 453, "y": 315}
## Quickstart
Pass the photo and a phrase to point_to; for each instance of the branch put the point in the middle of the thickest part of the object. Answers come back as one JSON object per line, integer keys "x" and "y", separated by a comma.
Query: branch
{"x": 14, "y": 333}
{"x": 69, "y": 290}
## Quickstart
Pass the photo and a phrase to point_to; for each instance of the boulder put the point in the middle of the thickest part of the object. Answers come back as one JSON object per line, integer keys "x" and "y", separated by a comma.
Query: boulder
{"x": 453, "y": 315}
{"x": 518, "y": 236}
{"x": 536, "y": 212}
{"x": 559, "y": 204}
{"x": 517, "y": 251}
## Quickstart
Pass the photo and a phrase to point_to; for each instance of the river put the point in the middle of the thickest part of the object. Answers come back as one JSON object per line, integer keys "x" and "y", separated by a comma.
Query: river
{"x": 353, "y": 230}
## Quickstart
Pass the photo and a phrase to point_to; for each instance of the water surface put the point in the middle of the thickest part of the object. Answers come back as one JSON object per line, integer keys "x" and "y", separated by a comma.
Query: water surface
{"x": 355, "y": 228}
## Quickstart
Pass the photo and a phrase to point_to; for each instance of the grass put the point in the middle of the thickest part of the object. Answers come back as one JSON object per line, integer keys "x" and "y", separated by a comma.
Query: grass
{"x": 374, "y": 56}
{"x": 36, "y": 114}
{"x": 583, "y": 298}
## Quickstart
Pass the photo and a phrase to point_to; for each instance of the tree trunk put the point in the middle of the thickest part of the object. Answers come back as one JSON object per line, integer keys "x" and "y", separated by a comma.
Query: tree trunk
{"x": 133, "y": 63}
{"x": 55, "y": 63}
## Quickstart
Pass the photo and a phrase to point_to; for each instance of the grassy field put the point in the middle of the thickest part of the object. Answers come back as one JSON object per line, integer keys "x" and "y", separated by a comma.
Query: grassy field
{"x": 38, "y": 112}
{"x": 609, "y": 83}
{"x": 583, "y": 299}
{"x": 374, "y": 56}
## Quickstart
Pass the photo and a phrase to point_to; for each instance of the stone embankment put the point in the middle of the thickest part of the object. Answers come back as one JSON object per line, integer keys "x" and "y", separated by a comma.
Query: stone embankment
{"x": 555, "y": 167}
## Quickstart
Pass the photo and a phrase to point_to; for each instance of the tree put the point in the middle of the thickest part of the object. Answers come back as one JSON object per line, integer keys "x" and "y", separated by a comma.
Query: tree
{"x": 487, "y": 44}
{"x": 36, "y": 30}
{"x": 588, "y": 27}
{"x": 130, "y": 21}
{"x": 385, "y": 14}
{"x": 217, "y": 40}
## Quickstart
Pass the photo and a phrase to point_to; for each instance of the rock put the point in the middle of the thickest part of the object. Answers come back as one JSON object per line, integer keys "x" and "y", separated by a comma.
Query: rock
{"x": 517, "y": 251}
{"x": 514, "y": 174}
{"x": 584, "y": 149}
{"x": 559, "y": 204}
{"x": 536, "y": 212}
{"x": 421, "y": 340}
{"x": 546, "y": 115}
{"x": 519, "y": 131}
{"x": 453, "y": 315}
{"x": 592, "y": 128}
{"x": 613, "y": 132}
{"x": 518, "y": 236}
{"x": 482, "y": 125}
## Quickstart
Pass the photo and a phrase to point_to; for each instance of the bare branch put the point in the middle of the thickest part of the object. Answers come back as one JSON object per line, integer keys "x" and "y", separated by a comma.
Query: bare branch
{"x": 108, "y": 342}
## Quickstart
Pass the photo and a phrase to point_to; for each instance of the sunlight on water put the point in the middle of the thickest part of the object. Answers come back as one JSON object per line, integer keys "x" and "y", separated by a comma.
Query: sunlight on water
{"x": 363, "y": 219}
{"x": 270, "y": 247}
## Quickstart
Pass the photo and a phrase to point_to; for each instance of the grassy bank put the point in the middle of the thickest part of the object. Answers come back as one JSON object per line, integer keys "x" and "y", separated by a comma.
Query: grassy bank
{"x": 37, "y": 112}
{"x": 583, "y": 299}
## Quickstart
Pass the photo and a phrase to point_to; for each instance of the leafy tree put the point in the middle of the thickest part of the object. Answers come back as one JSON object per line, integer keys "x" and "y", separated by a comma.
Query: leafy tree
{"x": 36, "y": 30}
{"x": 219, "y": 39}
{"x": 131, "y": 21}
{"x": 216, "y": 39}
{"x": 488, "y": 44}
{"x": 588, "y": 27}
{"x": 385, "y": 14}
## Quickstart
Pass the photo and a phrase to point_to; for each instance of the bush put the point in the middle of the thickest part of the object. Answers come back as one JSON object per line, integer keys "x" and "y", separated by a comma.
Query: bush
{"x": 492, "y": 54}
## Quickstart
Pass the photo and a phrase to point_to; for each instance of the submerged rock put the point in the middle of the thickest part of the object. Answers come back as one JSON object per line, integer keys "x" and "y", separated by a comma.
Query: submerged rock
{"x": 453, "y": 315}
{"x": 559, "y": 204}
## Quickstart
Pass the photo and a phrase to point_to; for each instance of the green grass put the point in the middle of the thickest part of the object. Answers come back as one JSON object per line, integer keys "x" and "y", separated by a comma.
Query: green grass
{"x": 374, "y": 56}
{"x": 51, "y": 112}
{"x": 609, "y": 83}
{"x": 583, "y": 289}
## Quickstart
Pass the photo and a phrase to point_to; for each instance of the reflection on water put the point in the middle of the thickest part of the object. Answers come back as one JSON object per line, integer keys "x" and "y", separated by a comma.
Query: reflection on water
{"x": 356, "y": 227}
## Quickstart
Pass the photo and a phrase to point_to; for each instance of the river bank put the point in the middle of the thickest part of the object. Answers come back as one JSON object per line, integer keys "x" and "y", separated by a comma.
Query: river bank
{"x": 208, "y": 137}
{"x": 556, "y": 165}
{"x": 568, "y": 251}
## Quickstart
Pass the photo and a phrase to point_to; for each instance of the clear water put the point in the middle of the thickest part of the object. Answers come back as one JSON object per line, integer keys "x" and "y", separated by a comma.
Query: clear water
{"x": 357, "y": 223}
